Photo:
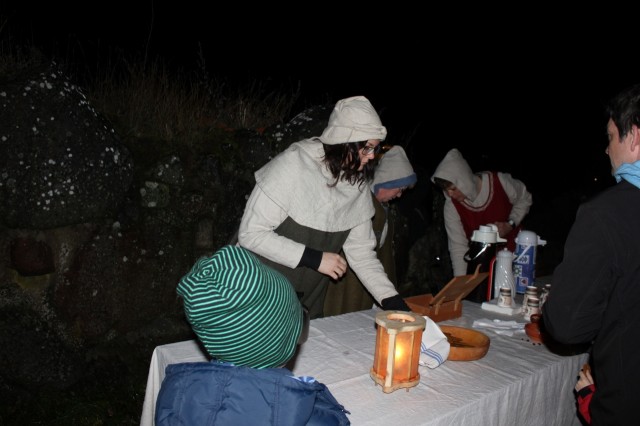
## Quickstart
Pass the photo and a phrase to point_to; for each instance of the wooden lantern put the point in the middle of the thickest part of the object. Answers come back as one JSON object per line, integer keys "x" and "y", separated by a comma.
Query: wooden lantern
{"x": 397, "y": 352}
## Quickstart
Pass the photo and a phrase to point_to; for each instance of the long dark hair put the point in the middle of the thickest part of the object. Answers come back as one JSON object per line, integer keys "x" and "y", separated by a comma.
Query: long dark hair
{"x": 343, "y": 161}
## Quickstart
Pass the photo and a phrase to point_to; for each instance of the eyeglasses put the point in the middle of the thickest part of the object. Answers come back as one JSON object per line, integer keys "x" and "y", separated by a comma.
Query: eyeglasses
{"x": 368, "y": 149}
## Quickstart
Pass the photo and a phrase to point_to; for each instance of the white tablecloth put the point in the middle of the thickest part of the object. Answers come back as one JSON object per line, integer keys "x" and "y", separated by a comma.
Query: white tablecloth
{"x": 516, "y": 383}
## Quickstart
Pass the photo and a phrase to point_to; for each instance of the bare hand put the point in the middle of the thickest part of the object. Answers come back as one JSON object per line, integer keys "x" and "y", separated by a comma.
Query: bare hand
{"x": 584, "y": 378}
{"x": 503, "y": 228}
{"x": 333, "y": 265}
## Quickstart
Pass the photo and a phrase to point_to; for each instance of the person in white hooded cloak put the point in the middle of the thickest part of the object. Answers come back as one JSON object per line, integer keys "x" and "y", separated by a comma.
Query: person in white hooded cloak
{"x": 314, "y": 199}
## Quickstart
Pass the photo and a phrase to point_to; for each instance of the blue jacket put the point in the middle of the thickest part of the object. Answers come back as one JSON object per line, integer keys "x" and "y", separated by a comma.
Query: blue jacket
{"x": 213, "y": 393}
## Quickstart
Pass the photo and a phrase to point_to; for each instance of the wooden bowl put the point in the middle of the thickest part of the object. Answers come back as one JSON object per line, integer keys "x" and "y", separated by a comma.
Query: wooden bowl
{"x": 466, "y": 344}
{"x": 533, "y": 332}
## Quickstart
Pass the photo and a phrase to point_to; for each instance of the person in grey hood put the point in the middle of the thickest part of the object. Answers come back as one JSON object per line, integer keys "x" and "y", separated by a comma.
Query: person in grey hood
{"x": 314, "y": 199}
{"x": 474, "y": 199}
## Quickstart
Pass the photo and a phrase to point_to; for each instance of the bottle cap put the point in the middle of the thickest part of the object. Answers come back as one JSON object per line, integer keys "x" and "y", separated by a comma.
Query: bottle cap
{"x": 529, "y": 238}
{"x": 505, "y": 253}
{"x": 487, "y": 234}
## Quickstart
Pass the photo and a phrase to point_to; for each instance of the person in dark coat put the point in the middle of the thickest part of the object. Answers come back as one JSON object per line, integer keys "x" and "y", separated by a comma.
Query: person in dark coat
{"x": 595, "y": 294}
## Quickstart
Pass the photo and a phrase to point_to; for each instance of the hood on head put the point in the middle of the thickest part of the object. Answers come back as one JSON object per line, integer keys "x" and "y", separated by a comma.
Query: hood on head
{"x": 394, "y": 171}
{"x": 456, "y": 170}
{"x": 353, "y": 120}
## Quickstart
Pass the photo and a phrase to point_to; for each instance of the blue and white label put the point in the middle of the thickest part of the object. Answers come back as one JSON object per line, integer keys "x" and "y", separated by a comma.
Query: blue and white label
{"x": 524, "y": 267}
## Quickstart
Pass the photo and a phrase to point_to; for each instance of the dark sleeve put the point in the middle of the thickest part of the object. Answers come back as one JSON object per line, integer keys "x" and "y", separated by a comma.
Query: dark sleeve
{"x": 311, "y": 258}
{"x": 574, "y": 309}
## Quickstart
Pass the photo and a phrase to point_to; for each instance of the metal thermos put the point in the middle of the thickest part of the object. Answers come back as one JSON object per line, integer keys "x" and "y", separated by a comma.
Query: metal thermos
{"x": 524, "y": 264}
{"x": 482, "y": 252}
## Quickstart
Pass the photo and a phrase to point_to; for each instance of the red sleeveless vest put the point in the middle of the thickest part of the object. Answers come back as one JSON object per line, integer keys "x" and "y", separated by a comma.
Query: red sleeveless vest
{"x": 496, "y": 209}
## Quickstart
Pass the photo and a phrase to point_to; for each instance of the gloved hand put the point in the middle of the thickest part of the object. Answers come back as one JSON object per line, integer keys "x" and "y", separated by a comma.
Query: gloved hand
{"x": 395, "y": 303}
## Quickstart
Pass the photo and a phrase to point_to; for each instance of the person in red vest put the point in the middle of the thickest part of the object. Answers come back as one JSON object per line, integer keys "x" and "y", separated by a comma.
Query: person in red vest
{"x": 474, "y": 199}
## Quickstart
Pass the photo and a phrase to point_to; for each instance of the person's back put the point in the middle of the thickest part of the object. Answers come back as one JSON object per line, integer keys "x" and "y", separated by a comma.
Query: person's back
{"x": 248, "y": 318}
{"x": 601, "y": 266}
{"x": 202, "y": 393}
{"x": 596, "y": 288}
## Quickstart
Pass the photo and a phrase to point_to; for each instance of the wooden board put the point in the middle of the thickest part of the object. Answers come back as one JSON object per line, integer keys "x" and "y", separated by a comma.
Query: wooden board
{"x": 447, "y": 303}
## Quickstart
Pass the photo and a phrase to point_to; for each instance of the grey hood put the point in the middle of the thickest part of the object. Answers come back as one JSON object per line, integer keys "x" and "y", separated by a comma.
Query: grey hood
{"x": 353, "y": 120}
{"x": 456, "y": 170}
{"x": 394, "y": 171}
{"x": 299, "y": 182}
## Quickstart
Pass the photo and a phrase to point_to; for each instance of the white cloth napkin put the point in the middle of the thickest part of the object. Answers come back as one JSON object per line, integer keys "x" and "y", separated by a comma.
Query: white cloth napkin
{"x": 506, "y": 328}
{"x": 435, "y": 346}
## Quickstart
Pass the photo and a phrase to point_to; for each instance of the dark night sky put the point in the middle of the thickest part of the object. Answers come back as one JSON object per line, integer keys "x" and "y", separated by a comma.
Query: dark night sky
{"x": 527, "y": 99}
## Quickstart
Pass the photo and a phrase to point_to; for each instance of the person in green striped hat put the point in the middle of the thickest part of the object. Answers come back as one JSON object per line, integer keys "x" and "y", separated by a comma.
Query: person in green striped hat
{"x": 243, "y": 311}
{"x": 249, "y": 319}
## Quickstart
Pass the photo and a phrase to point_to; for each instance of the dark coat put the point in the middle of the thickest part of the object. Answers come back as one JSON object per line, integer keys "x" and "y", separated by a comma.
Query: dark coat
{"x": 595, "y": 297}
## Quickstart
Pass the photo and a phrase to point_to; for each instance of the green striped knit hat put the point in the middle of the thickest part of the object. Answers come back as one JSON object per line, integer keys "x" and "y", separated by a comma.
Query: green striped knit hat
{"x": 242, "y": 311}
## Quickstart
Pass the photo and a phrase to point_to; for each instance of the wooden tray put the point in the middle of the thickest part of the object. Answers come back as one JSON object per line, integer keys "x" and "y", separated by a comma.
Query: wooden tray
{"x": 447, "y": 304}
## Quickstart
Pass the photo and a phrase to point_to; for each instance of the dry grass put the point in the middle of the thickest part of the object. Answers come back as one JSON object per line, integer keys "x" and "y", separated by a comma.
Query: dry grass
{"x": 146, "y": 100}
